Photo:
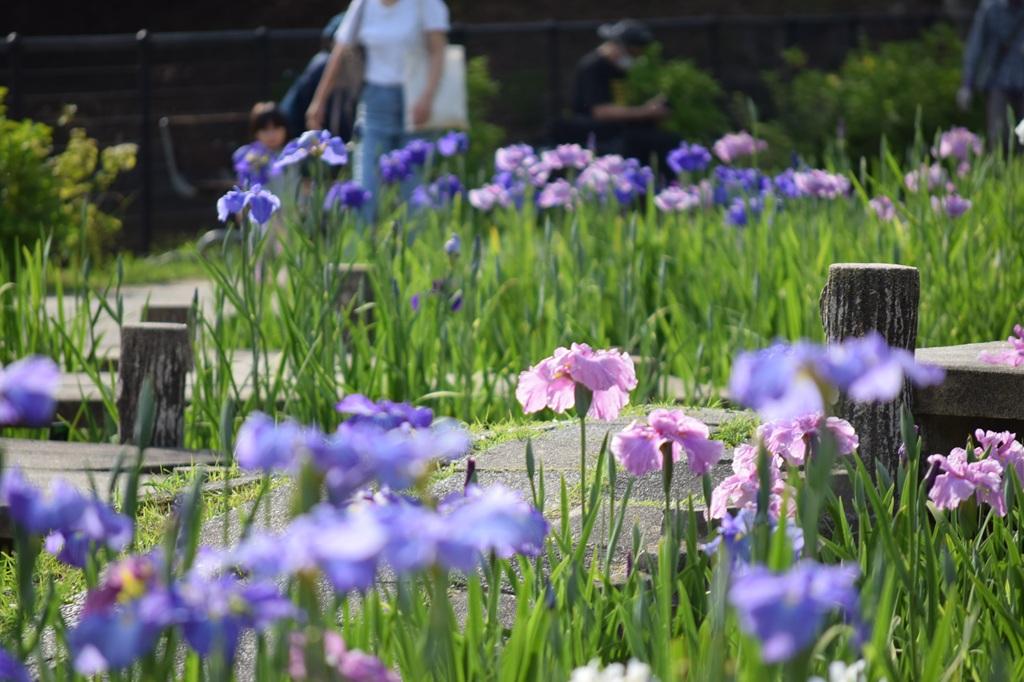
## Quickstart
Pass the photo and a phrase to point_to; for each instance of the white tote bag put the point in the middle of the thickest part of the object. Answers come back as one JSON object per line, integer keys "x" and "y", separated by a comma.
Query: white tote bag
{"x": 450, "y": 109}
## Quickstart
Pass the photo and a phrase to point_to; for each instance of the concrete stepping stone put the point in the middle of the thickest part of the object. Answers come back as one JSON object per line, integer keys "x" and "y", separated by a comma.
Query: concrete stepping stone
{"x": 84, "y": 465}
{"x": 974, "y": 395}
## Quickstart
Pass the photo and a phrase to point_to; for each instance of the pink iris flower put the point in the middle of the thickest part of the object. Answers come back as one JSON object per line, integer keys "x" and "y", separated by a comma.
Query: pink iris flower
{"x": 790, "y": 439}
{"x": 737, "y": 145}
{"x": 1002, "y": 447}
{"x": 883, "y": 208}
{"x": 739, "y": 491}
{"x": 961, "y": 479}
{"x": 960, "y": 144}
{"x": 934, "y": 175}
{"x": 1012, "y": 356}
{"x": 638, "y": 447}
{"x": 608, "y": 374}
{"x": 675, "y": 199}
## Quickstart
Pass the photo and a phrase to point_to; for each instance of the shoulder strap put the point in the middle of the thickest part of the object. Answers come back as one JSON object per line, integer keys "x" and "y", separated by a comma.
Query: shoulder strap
{"x": 360, "y": 11}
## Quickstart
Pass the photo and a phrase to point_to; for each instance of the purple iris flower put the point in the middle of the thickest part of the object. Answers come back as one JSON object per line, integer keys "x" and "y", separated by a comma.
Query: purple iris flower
{"x": 265, "y": 446}
{"x": 318, "y": 144}
{"x": 438, "y": 194}
{"x": 638, "y": 176}
{"x": 122, "y": 578}
{"x": 414, "y": 303}
{"x": 220, "y": 609}
{"x": 384, "y": 413}
{"x": 735, "y": 533}
{"x": 741, "y": 210}
{"x": 732, "y": 182}
{"x": 446, "y": 188}
{"x": 28, "y": 390}
{"x": 346, "y": 195}
{"x": 254, "y": 164}
{"x": 11, "y": 669}
{"x": 868, "y": 369}
{"x": 395, "y": 166}
{"x": 453, "y": 247}
{"x": 399, "y": 458}
{"x": 231, "y": 203}
{"x": 456, "y": 304}
{"x": 952, "y": 205}
{"x": 785, "y": 185}
{"x": 345, "y": 546}
{"x": 112, "y": 640}
{"x": 785, "y": 381}
{"x": 775, "y": 381}
{"x": 453, "y": 143}
{"x": 786, "y": 611}
{"x": 414, "y": 533}
{"x": 261, "y": 203}
{"x": 690, "y": 158}
{"x": 489, "y": 520}
{"x": 419, "y": 151}
{"x": 99, "y": 524}
{"x": 34, "y": 512}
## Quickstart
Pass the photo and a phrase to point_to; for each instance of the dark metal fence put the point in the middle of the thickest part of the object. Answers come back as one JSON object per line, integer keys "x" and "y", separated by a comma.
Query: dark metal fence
{"x": 202, "y": 83}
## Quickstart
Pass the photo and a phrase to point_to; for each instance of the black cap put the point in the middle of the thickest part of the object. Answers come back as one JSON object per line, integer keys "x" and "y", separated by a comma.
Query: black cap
{"x": 629, "y": 32}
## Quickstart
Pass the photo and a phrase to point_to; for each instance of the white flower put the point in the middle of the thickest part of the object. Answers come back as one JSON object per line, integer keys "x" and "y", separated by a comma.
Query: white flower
{"x": 1020, "y": 131}
{"x": 591, "y": 672}
{"x": 634, "y": 671}
{"x": 839, "y": 671}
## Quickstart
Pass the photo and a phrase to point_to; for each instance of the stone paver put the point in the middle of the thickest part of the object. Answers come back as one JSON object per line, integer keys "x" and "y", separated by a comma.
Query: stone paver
{"x": 972, "y": 388}
{"x": 133, "y": 301}
{"x": 89, "y": 465}
{"x": 974, "y": 395}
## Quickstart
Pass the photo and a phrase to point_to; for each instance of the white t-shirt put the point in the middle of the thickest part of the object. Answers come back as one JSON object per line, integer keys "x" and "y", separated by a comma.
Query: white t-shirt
{"x": 390, "y": 33}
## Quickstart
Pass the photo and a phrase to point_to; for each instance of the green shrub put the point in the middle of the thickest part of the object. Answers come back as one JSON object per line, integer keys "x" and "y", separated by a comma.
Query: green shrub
{"x": 694, "y": 96}
{"x": 876, "y": 93}
{"x": 28, "y": 188}
{"x": 58, "y": 196}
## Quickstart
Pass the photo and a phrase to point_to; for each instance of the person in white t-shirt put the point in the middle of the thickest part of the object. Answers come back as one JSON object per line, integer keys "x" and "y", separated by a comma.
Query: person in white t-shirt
{"x": 391, "y": 32}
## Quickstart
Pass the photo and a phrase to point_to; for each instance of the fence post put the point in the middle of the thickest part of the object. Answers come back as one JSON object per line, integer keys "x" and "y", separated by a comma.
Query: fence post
{"x": 163, "y": 353}
{"x": 554, "y": 82}
{"x": 145, "y": 148}
{"x": 14, "y": 59}
{"x": 863, "y": 297}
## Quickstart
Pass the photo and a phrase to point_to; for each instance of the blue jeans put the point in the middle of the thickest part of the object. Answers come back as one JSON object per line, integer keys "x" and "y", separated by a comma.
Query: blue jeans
{"x": 379, "y": 128}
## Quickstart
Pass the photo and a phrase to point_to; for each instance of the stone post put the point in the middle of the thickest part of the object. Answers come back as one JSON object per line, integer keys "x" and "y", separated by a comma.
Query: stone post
{"x": 175, "y": 313}
{"x": 859, "y": 298}
{"x": 162, "y": 352}
{"x": 351, "y": 282}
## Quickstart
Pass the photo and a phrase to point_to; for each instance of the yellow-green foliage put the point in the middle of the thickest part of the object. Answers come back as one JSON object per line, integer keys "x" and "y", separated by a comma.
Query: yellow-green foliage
{"x": 63, "y": 195}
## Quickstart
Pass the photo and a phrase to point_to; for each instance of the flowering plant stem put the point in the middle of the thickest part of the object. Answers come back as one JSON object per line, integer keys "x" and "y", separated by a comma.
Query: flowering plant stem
{"x": 583, "y": 397}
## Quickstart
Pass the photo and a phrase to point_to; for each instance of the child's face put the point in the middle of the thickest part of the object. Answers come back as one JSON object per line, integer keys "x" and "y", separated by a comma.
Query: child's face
{"x": 272, "y": 137}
